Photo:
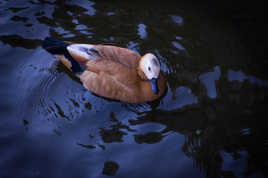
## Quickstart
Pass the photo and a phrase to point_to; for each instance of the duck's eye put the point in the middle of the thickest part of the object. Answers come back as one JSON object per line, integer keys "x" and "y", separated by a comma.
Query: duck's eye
{"x": 149, "y": 68}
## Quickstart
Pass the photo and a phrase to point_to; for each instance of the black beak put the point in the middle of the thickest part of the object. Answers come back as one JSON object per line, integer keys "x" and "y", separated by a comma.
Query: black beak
{"x": 154, "y": 85}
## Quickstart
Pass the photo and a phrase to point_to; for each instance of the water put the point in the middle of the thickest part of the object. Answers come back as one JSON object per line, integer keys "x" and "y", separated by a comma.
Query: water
{"x": 210, "y": 123}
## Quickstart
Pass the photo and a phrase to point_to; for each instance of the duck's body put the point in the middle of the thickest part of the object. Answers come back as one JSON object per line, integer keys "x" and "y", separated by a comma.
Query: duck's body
{"x": 110, "y": 71}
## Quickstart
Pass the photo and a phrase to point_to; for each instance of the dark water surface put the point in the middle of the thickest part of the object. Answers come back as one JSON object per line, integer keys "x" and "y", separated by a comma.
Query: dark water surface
{"x": 210, "y": 123}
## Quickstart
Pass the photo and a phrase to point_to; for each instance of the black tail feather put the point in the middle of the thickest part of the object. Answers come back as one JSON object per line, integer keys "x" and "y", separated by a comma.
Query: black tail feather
{"x": 55, "y": 46}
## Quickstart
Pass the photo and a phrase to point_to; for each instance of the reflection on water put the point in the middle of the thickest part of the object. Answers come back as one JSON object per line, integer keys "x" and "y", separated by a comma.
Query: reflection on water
{"x": 110, "y": 168}
{"x": 209, "y": 123}
{"x": 177, "y": 19}
{"x": 86, "y": 5}
{"x": 179, "y": 98}
{"x": 178, "y": 45}
{"x": 241, "y": 77}
{"x": 208, "y": 79}
{"x": 142, "y": 31}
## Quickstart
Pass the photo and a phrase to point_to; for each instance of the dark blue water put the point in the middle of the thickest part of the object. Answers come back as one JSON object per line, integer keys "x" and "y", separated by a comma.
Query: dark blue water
{"x": 210, "y": 123}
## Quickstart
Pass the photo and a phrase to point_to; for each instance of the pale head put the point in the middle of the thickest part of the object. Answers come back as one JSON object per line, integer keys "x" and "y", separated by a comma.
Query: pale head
{"x": 150, "y": 66}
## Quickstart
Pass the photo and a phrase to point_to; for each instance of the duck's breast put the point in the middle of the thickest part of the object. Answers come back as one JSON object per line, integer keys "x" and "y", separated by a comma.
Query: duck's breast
{"x": 147, "y": 94}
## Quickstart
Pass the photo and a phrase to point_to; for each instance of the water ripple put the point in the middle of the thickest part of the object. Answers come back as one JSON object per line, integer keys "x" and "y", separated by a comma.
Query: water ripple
{"x": 88, "y": 5}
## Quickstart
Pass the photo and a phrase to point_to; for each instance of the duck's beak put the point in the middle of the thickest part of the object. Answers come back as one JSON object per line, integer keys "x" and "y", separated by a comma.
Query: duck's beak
{"x": 154, "y": 85}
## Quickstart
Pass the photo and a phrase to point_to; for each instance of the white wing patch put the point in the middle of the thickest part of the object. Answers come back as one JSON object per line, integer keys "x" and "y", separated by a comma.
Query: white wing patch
{"x": 84, "y": 50}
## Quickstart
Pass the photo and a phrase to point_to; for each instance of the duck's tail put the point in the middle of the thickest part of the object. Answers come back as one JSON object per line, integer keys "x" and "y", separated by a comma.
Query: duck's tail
{"x": 58, "y": 47}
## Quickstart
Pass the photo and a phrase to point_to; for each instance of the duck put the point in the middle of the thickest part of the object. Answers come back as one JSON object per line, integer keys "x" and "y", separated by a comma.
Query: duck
{"x": 111, "y": 71}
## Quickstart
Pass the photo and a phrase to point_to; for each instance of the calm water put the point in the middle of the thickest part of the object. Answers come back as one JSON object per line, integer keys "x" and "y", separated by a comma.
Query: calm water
{"x": 210, "y": 123}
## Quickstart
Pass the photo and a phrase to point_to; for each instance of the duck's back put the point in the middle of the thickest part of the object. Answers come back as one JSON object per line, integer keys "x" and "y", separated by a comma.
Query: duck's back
{"x": 124, "y": 56}
{"x": 84, "y": 53}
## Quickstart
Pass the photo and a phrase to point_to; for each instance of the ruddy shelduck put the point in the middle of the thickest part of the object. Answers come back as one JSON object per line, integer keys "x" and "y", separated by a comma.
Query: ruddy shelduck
{"x": 110, "y": 71}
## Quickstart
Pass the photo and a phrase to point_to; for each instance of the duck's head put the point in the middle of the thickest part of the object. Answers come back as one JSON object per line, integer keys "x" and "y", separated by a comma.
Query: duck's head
{"x": 150, "y": 67}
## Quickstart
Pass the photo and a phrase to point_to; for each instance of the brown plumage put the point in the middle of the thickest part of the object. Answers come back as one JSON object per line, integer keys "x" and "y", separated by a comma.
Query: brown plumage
{"x": 115, "y": 72}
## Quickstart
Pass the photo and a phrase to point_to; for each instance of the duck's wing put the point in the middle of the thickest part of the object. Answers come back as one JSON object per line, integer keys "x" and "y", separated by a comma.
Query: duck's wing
{"x": 124, "y": 56}
{"x": 109, "y": 86}
{"x": 84, "y": 53}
